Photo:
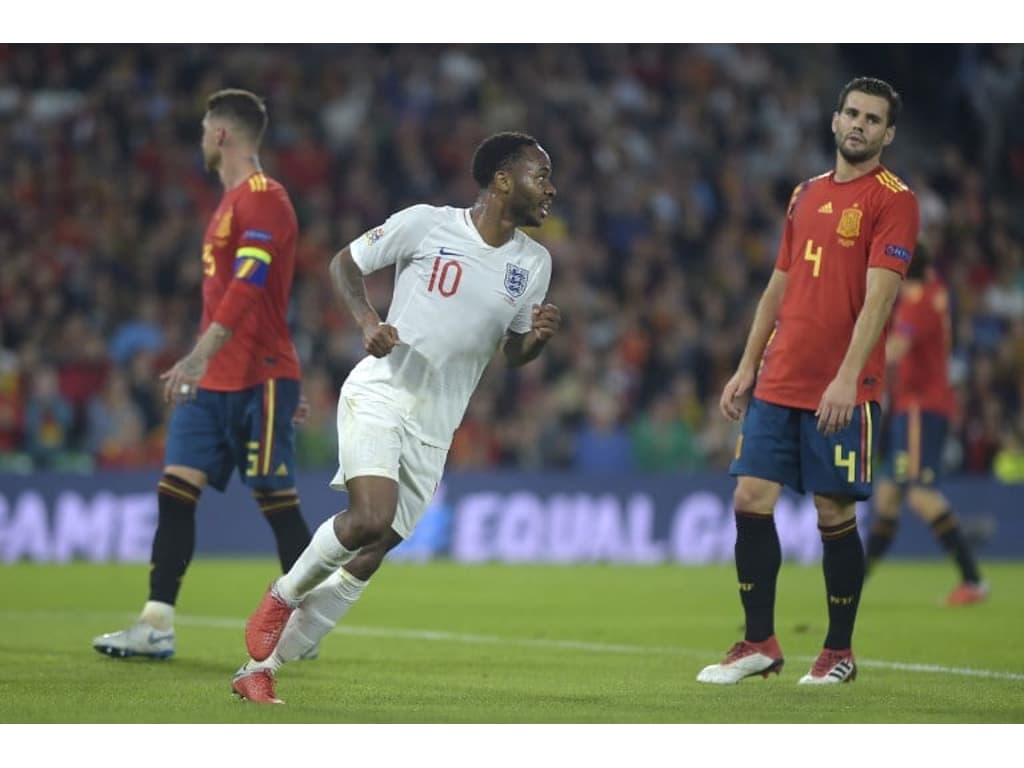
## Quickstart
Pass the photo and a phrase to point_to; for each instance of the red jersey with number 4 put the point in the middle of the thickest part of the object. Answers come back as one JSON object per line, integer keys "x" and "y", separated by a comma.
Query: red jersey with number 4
{"x": 248, "y": 263}
{"x": 921, "y": 380}
{"x": 834, "y": 233}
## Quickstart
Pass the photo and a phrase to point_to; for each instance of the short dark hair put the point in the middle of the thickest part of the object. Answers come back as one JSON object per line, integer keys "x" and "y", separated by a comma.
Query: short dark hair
{"x": 497, "y": 153}
{"x": 919, "y": 263}
{"x": 243, "y": 108}
{"x": 874, "y": 87}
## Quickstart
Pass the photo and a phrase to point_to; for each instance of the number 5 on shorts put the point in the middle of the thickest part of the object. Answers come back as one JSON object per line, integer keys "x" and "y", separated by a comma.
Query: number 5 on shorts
{"x": 253, "y": 458}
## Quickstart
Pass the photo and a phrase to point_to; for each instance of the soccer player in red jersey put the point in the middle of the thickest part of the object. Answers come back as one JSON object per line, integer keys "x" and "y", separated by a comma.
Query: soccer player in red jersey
{"x": 918, "y": 346}
{"x": 817, "y": 353}
{"x": 237, "y": 392}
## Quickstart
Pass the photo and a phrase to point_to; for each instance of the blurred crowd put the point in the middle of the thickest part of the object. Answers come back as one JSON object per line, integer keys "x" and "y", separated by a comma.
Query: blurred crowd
{"x": 673, "y": 165}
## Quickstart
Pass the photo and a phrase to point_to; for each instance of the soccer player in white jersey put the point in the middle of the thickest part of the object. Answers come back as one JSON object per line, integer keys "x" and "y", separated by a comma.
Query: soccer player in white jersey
{"x": 467, "y": 281}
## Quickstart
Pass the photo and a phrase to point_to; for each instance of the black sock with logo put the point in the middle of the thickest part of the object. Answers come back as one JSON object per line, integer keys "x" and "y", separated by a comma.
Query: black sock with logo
{"x": 758, "y": 560}
{"x": 843, "y": 564}
{"x": 175, "y": 539}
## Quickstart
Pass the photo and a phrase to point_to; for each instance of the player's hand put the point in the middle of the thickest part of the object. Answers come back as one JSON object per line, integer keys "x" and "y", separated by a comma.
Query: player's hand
{"x": 836, "y": 407}
{"x": 182, "y": 379}
{"x": 546, "y": 321}
{"x": 380, "y": 339}
{"x": 736, "y": 394}
{"x": 301, "y": 410}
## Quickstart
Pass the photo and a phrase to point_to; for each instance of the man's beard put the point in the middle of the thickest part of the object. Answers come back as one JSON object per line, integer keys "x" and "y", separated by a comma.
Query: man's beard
{"x": 212, "y": 162}
{"x": 855, "y": 156}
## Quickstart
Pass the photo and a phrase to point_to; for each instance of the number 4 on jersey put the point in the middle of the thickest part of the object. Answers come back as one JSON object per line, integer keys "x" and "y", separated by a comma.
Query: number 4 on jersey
{"x": 813, "y": 254}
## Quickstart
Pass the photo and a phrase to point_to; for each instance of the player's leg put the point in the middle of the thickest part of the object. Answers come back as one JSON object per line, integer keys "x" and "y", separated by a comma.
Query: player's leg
{"x": 372, "y": 503}
{"x": 195, "y": 455}
{"x": 767, "y": 456}
{"x": 838, "y": 470}
{"x": 310, "y": 622}
{"x": 885, "y": 521}
{"x": 889, "y": 490}
{"x": 931, "y": 505}
{"x": 174, "y": 542}
{"x": 844, "y": 569}
{"x": 419, "y": 474}
{"x": 758, "y": 554}
{"x": 326, "y": 605}
{"x": 420, "y": 471}
{"x": 266, "y": 460}
{"x": 282, "y": 511}
{"x": 370, "y": 440}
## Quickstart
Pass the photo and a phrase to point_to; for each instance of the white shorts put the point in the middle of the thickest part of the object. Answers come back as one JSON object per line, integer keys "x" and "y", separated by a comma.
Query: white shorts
{"x": 373, "y": 440}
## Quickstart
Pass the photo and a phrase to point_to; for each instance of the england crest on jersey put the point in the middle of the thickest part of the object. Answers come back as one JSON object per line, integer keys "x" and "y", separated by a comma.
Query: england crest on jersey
{"x": 515, "y": 280}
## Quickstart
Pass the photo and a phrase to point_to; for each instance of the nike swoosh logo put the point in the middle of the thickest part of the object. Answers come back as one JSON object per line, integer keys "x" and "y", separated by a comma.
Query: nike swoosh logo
{"x": 449, "y": 252}
{"x": 155, "y": 638}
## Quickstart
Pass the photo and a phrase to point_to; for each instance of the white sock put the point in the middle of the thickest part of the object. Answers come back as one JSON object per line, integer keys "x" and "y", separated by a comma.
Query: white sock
{"x": 316, "y": 615}
{"x": 324, "y": 555}
{"x": 158, "y": 615}
{"x": 269, "y": 663}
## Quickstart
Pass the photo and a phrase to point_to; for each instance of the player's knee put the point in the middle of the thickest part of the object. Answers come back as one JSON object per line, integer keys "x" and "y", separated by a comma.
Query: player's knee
{"x": 194, "y": 477}
{"x": 369, "y": 523}
{"x": 927, "y": 503}
{"x": 834, "y": 510}
{"x": 372, "y": 504}
{"x": 756, "y": 496}
{"x": 370, "y": 557}
{"x": 888, "y": 499}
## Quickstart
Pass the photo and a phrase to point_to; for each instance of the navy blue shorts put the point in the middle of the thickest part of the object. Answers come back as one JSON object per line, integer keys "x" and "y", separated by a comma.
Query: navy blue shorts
{"x": 784, "y": 445}
{"x": 251, "y": 429}
{"x": 916, "y": 442}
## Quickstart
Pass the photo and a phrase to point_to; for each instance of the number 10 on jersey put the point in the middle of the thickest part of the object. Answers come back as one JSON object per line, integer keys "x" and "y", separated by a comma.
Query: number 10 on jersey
{"x": 445, "y": 277}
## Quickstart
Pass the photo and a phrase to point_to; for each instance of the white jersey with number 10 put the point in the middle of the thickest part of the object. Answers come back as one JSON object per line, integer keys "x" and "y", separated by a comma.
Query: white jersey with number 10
{"x": 454, "y": 299}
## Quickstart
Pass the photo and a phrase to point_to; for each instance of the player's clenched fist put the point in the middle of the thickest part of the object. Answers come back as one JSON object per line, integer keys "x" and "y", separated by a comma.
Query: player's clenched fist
{"x": 380, "y": 339}
{"x": 546, "y": 321}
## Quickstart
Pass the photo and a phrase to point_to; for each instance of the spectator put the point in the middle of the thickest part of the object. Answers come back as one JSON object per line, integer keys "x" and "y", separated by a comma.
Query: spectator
{"x": 680, "y": 158}
{"x": 602, "y": 443}
{"x": 49, "y": 419}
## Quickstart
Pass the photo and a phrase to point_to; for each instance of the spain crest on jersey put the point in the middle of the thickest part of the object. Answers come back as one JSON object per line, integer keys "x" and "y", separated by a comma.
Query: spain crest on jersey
{"x": 849, "y": 223}
{"x": 515, "y": 280}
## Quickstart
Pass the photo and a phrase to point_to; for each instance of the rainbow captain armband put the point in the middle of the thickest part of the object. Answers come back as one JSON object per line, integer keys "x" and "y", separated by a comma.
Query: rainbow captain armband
{"x": 252, "y": 265}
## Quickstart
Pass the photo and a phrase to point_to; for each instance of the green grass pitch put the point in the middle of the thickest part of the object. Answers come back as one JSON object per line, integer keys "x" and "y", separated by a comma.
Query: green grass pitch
{"x": 443, "y": 643}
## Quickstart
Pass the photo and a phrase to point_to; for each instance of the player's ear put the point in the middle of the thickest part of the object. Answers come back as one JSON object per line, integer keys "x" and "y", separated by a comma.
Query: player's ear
{"x": 503, "y": 181}
{"x": 222, "y": 136}
{"x": 890, "y": 134}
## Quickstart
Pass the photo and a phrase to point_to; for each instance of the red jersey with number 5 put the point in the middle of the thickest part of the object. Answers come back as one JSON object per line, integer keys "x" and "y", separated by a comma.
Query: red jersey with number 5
{"x": 248, "y": 264}
{"x": 922, "y": 376}
{"x": 834, "y": 233}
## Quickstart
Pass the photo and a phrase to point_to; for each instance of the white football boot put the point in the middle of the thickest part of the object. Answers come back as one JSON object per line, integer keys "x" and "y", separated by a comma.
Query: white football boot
{"x": 140, "y": 639}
